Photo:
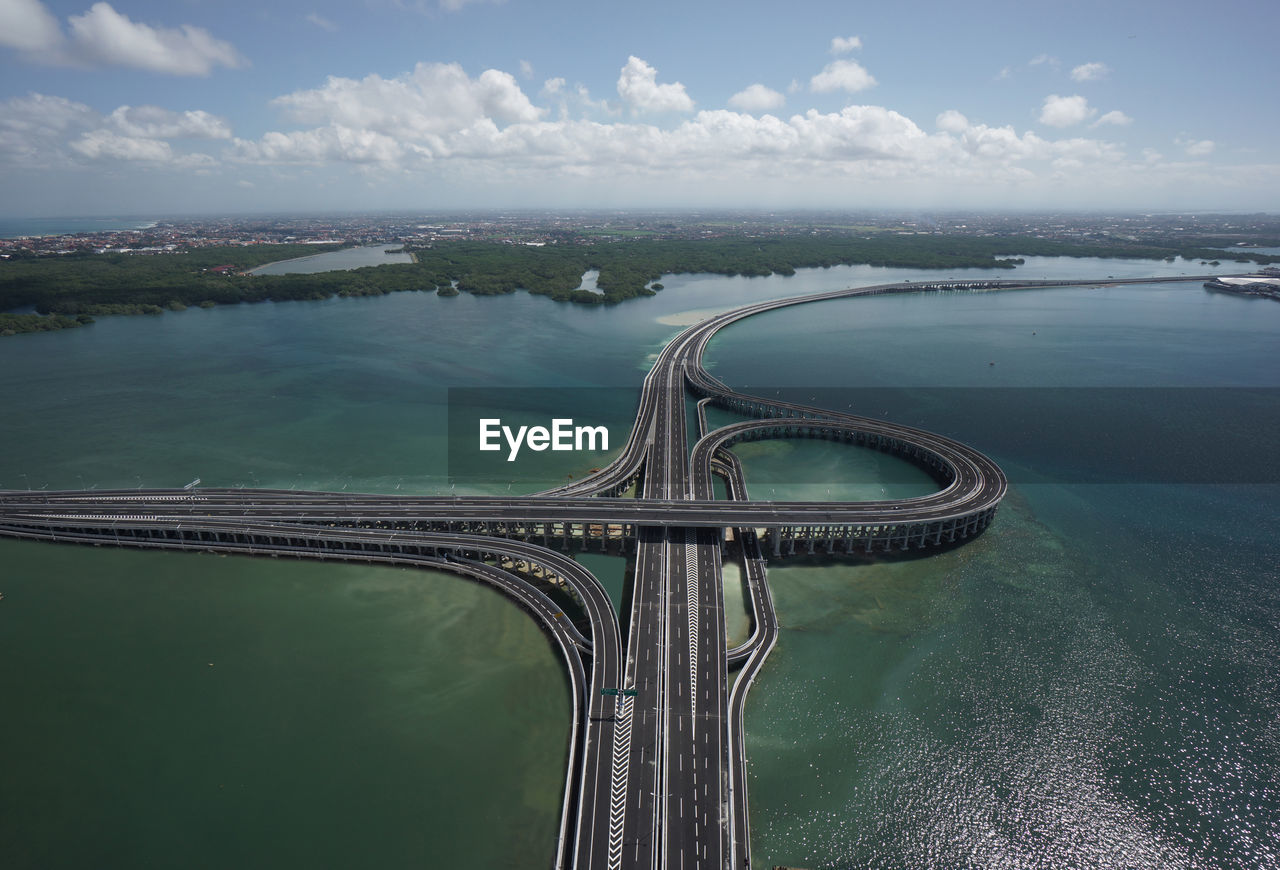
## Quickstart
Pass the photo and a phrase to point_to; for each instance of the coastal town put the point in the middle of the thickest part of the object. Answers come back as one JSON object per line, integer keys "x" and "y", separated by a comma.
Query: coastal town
{"x": 537, "y": 228}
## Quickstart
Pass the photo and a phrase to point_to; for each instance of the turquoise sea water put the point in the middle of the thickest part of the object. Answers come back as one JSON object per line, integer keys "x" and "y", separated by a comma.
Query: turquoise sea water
{"x": 12, "y": 228}
{"x": 1092, "y": 683}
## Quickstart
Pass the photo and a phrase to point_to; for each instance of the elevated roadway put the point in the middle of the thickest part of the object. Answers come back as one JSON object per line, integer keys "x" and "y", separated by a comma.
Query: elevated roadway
{"x": 657, "y": 772}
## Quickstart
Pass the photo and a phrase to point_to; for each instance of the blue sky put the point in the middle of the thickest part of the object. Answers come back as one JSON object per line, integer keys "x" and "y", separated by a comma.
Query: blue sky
{"x": 139, "y": 107}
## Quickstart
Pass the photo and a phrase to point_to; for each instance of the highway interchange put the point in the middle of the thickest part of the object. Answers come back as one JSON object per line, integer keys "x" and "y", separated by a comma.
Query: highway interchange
{"x": 657, "y": 772}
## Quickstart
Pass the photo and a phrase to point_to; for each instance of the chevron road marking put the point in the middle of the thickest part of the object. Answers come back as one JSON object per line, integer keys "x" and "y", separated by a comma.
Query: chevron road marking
{"x": 691, "y": 585}
{"x": 618, "y": 787}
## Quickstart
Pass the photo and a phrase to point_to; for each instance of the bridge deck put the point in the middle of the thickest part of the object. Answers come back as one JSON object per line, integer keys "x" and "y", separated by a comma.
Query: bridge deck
{"x": 656, "y": 779}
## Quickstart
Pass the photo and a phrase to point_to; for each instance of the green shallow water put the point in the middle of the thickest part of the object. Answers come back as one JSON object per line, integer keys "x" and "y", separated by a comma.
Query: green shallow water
{"x": 1091, "y": 683}
{"x": 176, "y": 709}
{"x": 816, "y": 470}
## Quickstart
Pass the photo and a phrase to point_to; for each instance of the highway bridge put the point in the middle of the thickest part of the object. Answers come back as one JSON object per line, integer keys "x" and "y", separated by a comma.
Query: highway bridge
{"x": 657, "y": 771}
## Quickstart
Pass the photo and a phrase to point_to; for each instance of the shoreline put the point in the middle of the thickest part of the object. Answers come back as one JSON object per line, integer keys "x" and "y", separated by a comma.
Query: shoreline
{"x": 12, "y": 324}
{"x": 252, "y": 272}
{"x": 255, "y": 271}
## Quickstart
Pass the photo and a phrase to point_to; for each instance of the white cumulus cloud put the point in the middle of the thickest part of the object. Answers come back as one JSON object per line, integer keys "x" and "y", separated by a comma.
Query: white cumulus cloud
{"x": 845, "y": 44}
{"x": 1065, "y": 111}
{"x": 324, "y": 145}
{"x": 757, "y": 98}
{"x": 638, "y": 86}
{"x": 582, "y": 95}
{"x": 1195, "y": 147}
{"x": 859, "y": 148}
{"x": 32, "y": 128}
{"x": 842, "y": 75}
{"x": 98, "y": 144}
{"x": 103, "y": 35}
{"x": 438, "y": 122}
{"x": 154, "y": 122}
{"x": 43, "y": 131}
{"x": 709, "y": 142}
{"x": 1090, "y": 72}
{"x": 951, "y": 121}
{"x": 434, "y": 98}
{"x": 1116, "y": 117}
{"x": 28, "y": 25}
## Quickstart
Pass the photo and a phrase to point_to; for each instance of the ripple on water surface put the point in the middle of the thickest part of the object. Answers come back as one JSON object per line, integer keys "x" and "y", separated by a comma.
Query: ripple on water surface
{"x": 1015, "y": 703}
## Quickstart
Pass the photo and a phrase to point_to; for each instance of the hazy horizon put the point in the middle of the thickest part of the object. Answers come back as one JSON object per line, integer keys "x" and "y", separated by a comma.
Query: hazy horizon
{"x": 655, "y": 212}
